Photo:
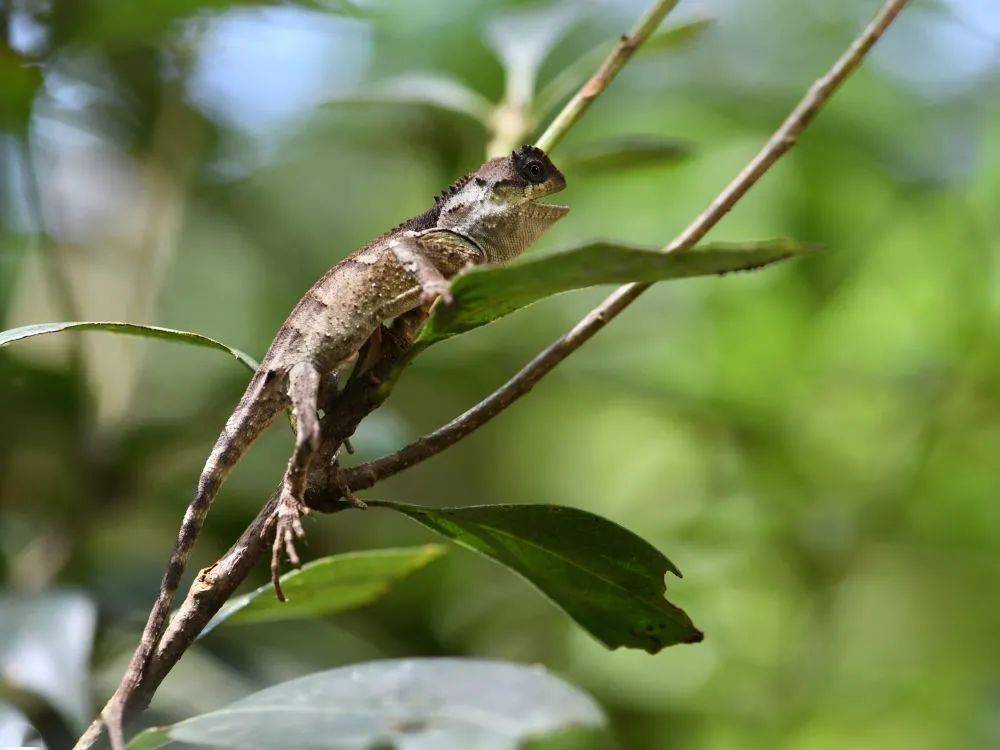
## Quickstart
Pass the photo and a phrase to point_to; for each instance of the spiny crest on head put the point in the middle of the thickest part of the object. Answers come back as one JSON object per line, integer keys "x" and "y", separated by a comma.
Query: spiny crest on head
{"x": 453, "y": 188}
{"x": 527, "y": 150}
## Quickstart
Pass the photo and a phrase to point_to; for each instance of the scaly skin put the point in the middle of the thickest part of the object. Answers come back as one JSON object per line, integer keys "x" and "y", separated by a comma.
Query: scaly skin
{"x": 489, "y": 216}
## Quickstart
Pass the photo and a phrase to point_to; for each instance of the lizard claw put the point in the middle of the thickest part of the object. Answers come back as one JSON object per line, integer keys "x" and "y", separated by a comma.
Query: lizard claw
{"x": 287, "y": 528}
{"x": 434, "y": 289}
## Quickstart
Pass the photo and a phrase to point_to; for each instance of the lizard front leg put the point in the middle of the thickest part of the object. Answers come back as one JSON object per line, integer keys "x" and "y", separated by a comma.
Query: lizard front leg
{"x": 303, "y": 390}
{"x": 410, "y": 254}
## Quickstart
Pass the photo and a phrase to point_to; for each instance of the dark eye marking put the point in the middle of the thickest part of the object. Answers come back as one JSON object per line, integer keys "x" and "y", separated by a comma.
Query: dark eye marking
{"x": 531, "y": 164}
{"x": 535, "y": 170}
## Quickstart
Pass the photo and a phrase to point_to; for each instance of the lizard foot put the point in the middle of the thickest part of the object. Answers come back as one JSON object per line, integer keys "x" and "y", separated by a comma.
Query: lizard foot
{"x": 431, "y": 290}
{"x": 346, "y": 493}
{"x": 287, "y": 528}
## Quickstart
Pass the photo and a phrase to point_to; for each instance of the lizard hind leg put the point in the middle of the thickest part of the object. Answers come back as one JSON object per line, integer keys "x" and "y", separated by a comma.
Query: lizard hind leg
{"x": 303, "y": 390}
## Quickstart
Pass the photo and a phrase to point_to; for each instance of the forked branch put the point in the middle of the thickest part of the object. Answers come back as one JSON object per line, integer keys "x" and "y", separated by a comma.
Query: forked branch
{"x": 214, "y": 585}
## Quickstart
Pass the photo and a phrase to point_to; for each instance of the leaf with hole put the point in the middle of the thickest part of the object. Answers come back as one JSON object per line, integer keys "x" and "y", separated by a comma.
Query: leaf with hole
{"x": 608, "y": 579}
{"x": 404, "y": 704}
{"x": 128, "y": 329}
{"x": 486, "y": 293}
{"x": 329, "y": 585}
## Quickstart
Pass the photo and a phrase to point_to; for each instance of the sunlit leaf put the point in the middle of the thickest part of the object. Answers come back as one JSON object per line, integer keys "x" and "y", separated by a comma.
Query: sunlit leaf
{"x": 45, "y": 642}
{"x": 329, "y": 585}
{"x": 430, "y": 89}
{"x": 127, "y": 329}
{"x": 626, "y": 152}
{"x": 486, "y": 293}
{"x": 404, "y": 704}
{"x": 608, "y": 579}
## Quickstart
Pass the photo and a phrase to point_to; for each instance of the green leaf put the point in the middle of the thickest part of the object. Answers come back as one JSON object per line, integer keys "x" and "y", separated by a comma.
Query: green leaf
{"x": 627, "y": 152}
{"x": 20, "y": 79}
{"x": 45, "y": 642}
{"x": 404, "y": 704}
{"x": 483, "y": 294}
{"x": 605, "y": 577}
{"x": 150, "y": 739}
{"x": 127, "y": 329}
{"x": 676, "y": 36}
{"x": 328, "y": 585}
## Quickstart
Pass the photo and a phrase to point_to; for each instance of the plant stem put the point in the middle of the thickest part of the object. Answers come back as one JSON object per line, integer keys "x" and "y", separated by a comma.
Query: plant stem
{"x": 215, "y": 583}
{"x": 606, "y": 73}
{"x": 367, "y": 474}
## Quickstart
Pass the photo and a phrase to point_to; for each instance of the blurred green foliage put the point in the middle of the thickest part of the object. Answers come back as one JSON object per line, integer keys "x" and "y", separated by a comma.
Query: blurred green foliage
{"x": 816, "y": 445}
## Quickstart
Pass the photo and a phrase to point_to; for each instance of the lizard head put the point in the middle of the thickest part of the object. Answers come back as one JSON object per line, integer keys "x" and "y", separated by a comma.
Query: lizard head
{"x": 498, "y": 207}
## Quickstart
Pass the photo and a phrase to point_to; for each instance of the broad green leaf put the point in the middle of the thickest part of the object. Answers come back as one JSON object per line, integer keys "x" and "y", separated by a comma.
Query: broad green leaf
{"x": 627, "y": 152}
{"x": 605, "y": 577}
{"x": 403, "y": 704}
{"x": 128, "y": 329}
{"x": 45, "y": 642}
{"x": 430, "y": 89}
{"x": 486, "y": 293}
{"x": 676, "y": 36}
{"x": 328, "y": 585}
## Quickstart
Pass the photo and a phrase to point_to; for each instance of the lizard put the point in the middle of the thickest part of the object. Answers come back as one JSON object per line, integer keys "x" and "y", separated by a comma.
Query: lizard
{"x": 491, "y": 216}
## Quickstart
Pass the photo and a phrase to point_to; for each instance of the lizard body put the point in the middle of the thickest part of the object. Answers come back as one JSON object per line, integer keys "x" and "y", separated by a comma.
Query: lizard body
{"x": 488, "y": 216}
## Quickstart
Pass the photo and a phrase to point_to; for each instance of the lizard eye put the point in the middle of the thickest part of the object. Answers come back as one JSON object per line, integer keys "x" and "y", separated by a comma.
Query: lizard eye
{"x": 534, "y": 170}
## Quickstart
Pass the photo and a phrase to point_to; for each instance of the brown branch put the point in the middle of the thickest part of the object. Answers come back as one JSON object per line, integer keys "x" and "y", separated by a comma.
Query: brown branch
{"x": 367, "y": 474}
{"x": 213, "y": 585}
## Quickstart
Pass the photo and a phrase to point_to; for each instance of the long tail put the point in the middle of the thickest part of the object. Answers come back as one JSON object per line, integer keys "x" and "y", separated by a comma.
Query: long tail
{"x": 260, "y": 403}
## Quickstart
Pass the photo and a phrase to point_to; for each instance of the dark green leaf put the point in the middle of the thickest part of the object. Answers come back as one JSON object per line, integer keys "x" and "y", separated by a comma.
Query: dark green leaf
{"x": 605, "y": 577}
{"x": 627, "y": 152}
{"x": 328, "y": 585}
{"x": 484, "y": 294}
{"x": 404, "y": 704}
{"x": 128, "y": 329}
{"x": 19, "y": 80}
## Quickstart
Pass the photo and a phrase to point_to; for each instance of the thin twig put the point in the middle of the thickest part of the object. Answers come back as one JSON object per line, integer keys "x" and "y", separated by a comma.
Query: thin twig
{"x": 367, "y": 474}
{"x": 606, "y": 73}
{"x": 217, "y": 582}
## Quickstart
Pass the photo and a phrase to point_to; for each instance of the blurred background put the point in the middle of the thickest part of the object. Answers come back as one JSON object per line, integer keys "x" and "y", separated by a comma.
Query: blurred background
{"x": 817, "y": 446}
